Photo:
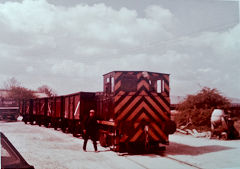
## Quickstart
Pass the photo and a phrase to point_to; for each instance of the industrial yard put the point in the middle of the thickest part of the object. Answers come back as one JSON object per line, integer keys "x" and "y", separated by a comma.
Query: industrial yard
{"x": 46, "y": 148}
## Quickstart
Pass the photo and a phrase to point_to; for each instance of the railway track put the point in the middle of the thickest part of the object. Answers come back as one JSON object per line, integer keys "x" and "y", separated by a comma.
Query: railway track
{"x": 183, "y": 162}
{"x": 141, "y": 163}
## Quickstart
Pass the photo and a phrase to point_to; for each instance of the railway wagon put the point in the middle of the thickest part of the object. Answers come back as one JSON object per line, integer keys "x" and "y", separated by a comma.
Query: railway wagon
{"x": 75, "y": 110}
{"x": 21, "y": 107}
{"x": 134, "y": 110}
{"x": 43, "y": 111}
{"x": 40, "y": 107}
{"x": 66, "y": 112}
{"x": 32, "y": 110}
{"x": 57, "y": 109}
{"x": 27, "y": 110}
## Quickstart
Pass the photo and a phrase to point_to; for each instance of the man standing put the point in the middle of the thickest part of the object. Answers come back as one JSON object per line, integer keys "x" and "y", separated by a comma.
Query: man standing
{"x": 90, "y": 130}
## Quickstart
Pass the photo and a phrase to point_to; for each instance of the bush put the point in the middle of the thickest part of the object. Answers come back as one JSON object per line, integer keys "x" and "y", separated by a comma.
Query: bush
{"x": 195, "y": 111}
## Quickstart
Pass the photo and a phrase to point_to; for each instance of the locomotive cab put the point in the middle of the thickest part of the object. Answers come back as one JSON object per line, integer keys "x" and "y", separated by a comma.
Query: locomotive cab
{"x": 134, "y": 110}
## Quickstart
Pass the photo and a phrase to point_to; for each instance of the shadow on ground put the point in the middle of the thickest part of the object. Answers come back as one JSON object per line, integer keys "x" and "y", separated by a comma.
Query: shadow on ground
{"x": 7, "y": 120}
{"x": 182, "y": 149}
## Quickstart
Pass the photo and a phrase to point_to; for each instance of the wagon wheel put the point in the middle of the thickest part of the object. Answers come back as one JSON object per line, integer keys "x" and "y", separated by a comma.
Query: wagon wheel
{"x": 103, "y": 139}
{"x": 170, "y": 127}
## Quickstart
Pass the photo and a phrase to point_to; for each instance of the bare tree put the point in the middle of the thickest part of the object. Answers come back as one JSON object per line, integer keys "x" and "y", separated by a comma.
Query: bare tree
{"x": 10, "y": 83}
{"x": 47, "y": 90}
{"x": 16, "y": 91}
{"x": 20, "y": 93}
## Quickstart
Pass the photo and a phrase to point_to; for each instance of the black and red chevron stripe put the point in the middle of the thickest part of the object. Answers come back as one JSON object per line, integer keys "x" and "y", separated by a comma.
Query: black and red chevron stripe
{"x": 141, "y": 104}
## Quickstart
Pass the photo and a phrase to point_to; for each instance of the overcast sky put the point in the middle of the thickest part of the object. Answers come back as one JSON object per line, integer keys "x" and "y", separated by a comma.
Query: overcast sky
{"x": 69, "y": 44}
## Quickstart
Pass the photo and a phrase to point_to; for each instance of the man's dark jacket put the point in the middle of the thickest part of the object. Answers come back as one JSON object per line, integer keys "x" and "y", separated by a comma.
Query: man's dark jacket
{"x": 90, "y": 126}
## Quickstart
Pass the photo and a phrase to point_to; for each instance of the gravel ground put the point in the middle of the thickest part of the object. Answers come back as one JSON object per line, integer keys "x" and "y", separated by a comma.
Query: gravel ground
{"x": 46, "y": 148}
{"x": 204, "y": 152}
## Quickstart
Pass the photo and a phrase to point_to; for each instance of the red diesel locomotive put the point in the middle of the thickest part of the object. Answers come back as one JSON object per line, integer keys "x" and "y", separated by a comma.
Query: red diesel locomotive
{"x": 133, "y": 110}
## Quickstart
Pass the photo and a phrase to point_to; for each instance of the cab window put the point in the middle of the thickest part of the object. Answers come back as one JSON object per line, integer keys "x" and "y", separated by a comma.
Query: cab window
{"x": 129, "y": 83}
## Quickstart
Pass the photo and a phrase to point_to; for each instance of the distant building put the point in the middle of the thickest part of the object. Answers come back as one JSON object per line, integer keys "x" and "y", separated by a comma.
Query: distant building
{"x": 40, "y": 95}
{"x": 3, "y": 93}
{"x": 9, "y": 108}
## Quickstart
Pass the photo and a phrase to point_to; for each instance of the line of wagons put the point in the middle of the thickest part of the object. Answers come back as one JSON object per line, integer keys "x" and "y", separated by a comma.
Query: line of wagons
{"x": 133, "y": 111}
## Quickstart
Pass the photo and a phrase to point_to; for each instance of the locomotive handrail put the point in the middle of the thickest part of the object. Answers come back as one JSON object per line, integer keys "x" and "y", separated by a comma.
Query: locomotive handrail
{"x": 3, "y": 108}
{"x": 109, "y": 123}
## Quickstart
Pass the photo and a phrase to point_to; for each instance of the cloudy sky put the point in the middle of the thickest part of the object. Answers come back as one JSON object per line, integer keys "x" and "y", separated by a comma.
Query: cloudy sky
{"x": 69, "y": 44}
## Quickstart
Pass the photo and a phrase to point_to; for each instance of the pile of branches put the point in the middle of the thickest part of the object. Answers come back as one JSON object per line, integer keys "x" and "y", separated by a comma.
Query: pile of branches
{"x": 195, "y": 111}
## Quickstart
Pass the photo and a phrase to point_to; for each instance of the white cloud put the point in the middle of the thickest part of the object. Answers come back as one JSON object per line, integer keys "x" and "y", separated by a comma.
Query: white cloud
{"x": 213, "y": 58}
{"x": 71, "y": 47}
{"x": 68, "y": 68}
{"x": 157, "y": 13}
{"x": 29, "y": 69}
